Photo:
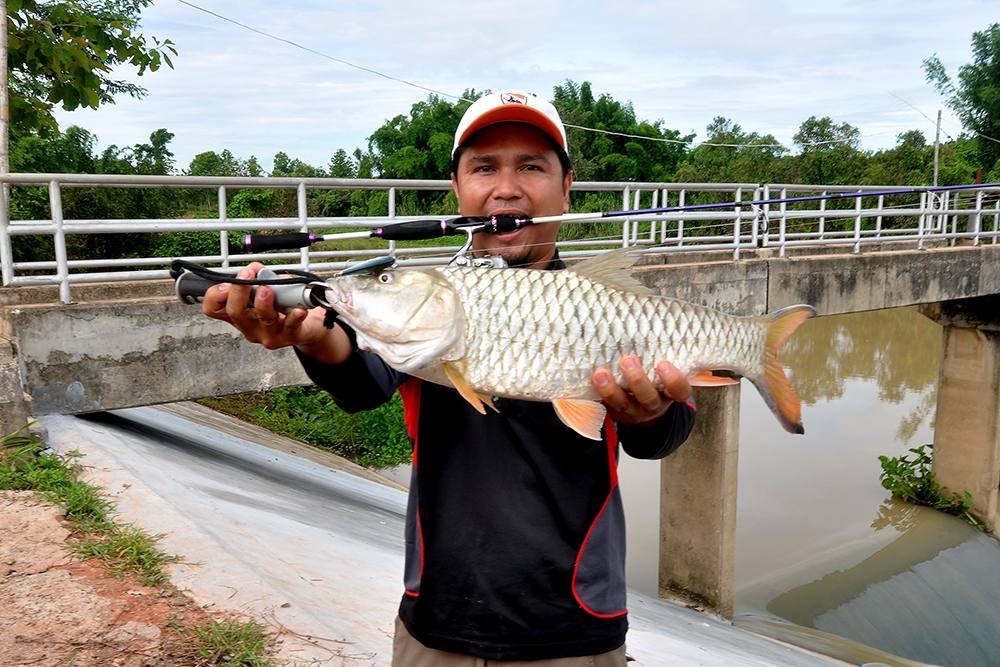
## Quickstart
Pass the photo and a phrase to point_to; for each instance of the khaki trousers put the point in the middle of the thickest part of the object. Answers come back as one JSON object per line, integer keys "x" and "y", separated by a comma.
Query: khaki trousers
{"x": 408, "y": 652}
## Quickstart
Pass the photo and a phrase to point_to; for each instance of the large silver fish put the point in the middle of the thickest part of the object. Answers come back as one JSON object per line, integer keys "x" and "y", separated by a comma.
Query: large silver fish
{"x": 539, "y": 335}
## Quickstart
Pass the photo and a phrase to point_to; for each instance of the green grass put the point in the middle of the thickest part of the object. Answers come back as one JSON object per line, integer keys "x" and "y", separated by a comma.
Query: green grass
{"x": 25, "y": 465}
{"x": 374, "y": 438}
{"x": 233, "y": 643}
{"x": 912, "y": 479}
{"x": 124, "y": 548}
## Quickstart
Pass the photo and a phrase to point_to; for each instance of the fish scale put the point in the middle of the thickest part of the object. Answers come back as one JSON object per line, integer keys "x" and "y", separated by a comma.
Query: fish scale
{"x": 540, "y": 335}
{"x": 515, "y": 347}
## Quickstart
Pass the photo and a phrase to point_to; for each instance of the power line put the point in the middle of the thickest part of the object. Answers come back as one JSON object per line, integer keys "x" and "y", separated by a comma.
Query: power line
{"x": 978, "y": 134}
{"x": 319, "y": 53}
{"x": 370, "y": 70}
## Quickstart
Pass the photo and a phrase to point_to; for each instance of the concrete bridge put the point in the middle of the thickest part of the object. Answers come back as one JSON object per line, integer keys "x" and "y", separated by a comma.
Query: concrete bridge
{"x": 124, "y": 344}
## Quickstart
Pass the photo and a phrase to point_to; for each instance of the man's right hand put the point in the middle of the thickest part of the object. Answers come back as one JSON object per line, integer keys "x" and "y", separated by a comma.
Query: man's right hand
{"x": 263, "y": 324}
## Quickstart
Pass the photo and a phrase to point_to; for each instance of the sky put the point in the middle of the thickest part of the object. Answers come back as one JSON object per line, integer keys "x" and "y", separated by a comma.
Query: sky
{"x": 767, "y": 65}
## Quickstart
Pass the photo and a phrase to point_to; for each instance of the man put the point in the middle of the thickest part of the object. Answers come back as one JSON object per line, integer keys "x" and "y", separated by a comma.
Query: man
{"x": 515, "y": 534}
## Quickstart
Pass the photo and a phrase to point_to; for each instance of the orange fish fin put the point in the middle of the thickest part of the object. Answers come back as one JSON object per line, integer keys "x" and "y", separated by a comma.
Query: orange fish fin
{"x": 487, "y": 401}
{"x": 706, "y": 379}
{"x": 583, "y": 416}
{"x": 456, "y": 377}
{"x": 774, "y": 385}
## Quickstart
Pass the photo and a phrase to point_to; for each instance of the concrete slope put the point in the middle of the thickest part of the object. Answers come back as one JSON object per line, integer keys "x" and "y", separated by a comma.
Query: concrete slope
{"x": 315, "y": 551}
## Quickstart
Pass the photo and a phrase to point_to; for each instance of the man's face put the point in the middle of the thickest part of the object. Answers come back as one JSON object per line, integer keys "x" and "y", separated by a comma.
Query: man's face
{"x": 511, "y": 168}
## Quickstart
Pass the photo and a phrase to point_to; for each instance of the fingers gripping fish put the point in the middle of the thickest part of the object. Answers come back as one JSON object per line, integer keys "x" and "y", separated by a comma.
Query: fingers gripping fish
{"x": 539, "y": 335}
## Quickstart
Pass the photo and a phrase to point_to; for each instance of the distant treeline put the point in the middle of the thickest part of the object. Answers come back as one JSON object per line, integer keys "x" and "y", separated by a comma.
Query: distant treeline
{"x": 418, "y": 145}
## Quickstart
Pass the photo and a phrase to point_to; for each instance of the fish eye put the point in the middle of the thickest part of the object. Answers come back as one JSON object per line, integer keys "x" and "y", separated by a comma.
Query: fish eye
{"x": 385, "y": 277}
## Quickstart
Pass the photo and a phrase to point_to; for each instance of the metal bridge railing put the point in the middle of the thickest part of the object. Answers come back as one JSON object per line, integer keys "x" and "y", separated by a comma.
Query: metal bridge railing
{"x": 971, "y": 215}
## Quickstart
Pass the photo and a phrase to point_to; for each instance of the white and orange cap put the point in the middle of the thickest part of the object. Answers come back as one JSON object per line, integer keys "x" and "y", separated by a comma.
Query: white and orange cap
{"x": 511, "y": 106}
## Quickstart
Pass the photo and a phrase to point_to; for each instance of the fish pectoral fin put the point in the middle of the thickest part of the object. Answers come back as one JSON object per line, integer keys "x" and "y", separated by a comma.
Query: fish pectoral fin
{"x": 487, "y": 401}
{"x": 706, "y": 379}
{"x": 456, "y": 377}
{"x": 583, "y": 416}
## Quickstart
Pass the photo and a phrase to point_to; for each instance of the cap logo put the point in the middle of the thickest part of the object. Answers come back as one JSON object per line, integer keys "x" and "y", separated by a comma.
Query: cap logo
{"x": 513, "y": 98}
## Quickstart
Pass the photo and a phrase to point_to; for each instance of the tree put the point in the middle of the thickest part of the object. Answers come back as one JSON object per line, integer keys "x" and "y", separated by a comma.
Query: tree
{"x": 651, "y": 153}
{"x": 910, "y": 162}
{"x": 66, "y": 52}
{"x": 975, "y": 96}
{"x": 751, "y": 157}
{"x": 418, "y": 145}
{"x": 829, "y": 153}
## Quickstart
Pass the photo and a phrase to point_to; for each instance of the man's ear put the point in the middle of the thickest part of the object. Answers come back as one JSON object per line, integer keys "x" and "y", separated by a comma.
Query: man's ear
{"x": 454, "y": 184}
{"x": 567, "y": 182}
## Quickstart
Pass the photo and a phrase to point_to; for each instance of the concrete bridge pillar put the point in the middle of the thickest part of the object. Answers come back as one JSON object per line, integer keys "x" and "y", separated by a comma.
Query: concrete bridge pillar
{"x": 967, "y": 424}
{"x": 698, "y": 505}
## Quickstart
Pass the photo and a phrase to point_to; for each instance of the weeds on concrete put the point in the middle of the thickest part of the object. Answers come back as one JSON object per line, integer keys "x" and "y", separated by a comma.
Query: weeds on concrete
{"x": 912, "y": 479}
{"x": 373, "y": 438}
{"x": 233, "y": 643}
{"x": 25, "y": 465}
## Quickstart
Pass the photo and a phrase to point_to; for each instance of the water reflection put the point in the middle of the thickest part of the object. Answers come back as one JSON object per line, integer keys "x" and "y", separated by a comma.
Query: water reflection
{"x": 820, "y": 543}
{"x": 927, "y": 595}
{"x": 802, "y": 498}
{"x": 897, "y": 349}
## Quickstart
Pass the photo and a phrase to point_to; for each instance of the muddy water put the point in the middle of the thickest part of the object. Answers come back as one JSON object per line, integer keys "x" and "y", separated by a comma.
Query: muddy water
{"x": 824, "y": 556}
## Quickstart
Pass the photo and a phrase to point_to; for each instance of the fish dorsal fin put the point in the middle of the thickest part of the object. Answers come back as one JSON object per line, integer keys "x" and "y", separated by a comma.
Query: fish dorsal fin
{"x": 612, "y": 268}
{"x": 583, "y": 416}
{"x": 457, "y": 378}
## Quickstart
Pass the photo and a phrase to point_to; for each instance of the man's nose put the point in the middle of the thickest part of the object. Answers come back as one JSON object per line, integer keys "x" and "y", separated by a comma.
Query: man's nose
{"x": 507, "y": 185}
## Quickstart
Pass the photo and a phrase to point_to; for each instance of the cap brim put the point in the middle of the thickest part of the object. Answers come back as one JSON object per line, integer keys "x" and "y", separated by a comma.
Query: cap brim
{"x": 515, "y": 113}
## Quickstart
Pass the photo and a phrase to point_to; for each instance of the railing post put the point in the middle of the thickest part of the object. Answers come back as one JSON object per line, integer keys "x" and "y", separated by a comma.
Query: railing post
{"x": 878, "y": 219}
{"x": 954, "y": 218}
{"x": 680, "y": 223}
{"x": 392, "y": 216}
{"x": 625, "y": 223}
{"x": 666, "y": 202}
{"x": 822, "y": 218}
{"x": 652, "y": 223}
{"x": 759, "y": 219}
{"x": 6, "y": 250}
{"x": 977, "y": 220}
{"x": 636, "y": 200}
{"x": 857, "y": 224}
{"x": 304, "y": 220}
{"x": 698, "y": 504}
{"x": 223, "y": 234}
{"x": 736, "y": 225}
{"x": 996, "y": 221}
{"x": 782, "y": 223}
{"x": 921, "y": 220}
{"x": 59, "y": 241}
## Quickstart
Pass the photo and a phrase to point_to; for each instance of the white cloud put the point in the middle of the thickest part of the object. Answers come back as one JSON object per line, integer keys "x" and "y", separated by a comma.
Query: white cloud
{"x": 767, "y": 65}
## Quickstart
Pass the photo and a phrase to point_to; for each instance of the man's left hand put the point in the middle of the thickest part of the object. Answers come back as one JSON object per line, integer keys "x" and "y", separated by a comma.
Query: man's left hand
{"x": 640, "y": 402}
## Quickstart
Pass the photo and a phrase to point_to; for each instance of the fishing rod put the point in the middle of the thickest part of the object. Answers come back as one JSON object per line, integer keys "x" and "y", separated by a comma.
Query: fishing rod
{"x": 412, "y": 230}
{"x": 293, "y": 287}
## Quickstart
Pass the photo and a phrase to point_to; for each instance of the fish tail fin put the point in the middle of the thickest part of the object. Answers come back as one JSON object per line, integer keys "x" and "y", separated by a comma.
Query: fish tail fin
{"x": 773, "y": 384}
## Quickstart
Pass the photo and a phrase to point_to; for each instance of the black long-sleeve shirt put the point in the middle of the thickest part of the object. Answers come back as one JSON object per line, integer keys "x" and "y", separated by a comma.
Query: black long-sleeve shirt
{"x": 515, "y": 536}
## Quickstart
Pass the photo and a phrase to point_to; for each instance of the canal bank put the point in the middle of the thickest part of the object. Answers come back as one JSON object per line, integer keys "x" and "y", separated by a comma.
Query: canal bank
{"x": 316, "y": 550}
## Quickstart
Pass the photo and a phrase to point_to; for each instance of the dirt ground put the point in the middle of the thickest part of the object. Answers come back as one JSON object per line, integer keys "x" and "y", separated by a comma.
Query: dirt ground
{"x": 57, "y": 610}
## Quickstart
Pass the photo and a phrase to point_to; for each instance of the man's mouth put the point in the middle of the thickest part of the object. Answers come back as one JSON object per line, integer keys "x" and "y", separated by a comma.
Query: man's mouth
{"x": 503, "y": 236}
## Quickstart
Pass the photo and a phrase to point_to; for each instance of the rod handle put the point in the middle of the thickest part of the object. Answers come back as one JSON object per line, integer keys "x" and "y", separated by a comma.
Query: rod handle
{"x": 265, "y": 242}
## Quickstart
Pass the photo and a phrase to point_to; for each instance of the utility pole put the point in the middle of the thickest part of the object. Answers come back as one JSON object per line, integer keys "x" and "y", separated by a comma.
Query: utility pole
{"x": 6, "y": 254}
{"x": 937, "y": 147}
